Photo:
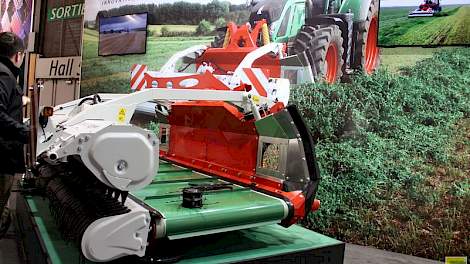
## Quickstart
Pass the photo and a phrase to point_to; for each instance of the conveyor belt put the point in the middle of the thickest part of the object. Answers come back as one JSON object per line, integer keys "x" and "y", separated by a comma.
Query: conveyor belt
{"x": 223, "y": 210}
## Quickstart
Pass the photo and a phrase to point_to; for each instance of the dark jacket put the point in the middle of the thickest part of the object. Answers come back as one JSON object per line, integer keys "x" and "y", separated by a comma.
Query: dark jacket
{"x": 13, "y": 133}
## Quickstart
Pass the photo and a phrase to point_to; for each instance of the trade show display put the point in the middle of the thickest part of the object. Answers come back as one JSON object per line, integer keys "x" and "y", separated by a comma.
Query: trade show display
{"x": 259, "y": 131}
{"x": 424, "y": 24}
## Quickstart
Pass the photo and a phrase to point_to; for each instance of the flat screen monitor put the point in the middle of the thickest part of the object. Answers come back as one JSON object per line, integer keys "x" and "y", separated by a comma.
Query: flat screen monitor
{"x": 424, "y": 23}
{"x": 121, "y": 35}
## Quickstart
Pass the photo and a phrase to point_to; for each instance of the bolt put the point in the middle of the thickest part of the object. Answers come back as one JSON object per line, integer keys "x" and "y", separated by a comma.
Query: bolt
{"x": 79, "y": 149}
{"x": 122, "y": 165}
{"x": 87, "y": 138}
{"x": 80, "y": 140}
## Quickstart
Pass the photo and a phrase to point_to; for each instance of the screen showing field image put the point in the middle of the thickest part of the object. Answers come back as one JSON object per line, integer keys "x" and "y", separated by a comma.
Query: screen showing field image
{"x": 424, "y": 23}
{"x": 121, "y": 35}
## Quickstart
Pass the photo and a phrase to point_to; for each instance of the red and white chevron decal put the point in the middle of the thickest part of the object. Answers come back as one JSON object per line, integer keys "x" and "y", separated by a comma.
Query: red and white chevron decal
{"x": 138, "y": 77}
{"x": 258, "y": 80}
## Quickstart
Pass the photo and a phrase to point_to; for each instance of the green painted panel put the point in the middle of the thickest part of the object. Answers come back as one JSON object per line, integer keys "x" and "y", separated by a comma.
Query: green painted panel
{"x": 239, "y": 206}
{"x": 229, "y": 247}
{"x": 269, "y": 126}
{"x": 166, "y": 167}
{"x": 359, "y": 8}
{"x": 172, "y": 189}
{"x": 279, "y": 125}
{"x": 254, "y": 243}
{"x": 221, "y": 210}
{"x": 59, "y": 250}
{"x": 174, "y": 176}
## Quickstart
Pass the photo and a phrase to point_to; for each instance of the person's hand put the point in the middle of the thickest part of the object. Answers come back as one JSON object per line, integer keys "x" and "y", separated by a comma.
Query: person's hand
{"x": 26, "y": 100}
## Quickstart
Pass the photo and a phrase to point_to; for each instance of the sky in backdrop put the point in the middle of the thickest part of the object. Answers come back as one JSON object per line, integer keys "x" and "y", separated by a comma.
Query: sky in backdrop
{"x": 390, "y": 3}
{"x": 128, "y": 22}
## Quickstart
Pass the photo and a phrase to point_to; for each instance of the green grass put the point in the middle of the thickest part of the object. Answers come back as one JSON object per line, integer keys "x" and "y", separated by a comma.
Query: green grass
{"x": 393, "y": 59}
{"x": 157, "y": 29}
{"x": 451, "y": 27}
{"x": 394, "y": 151}
{"x": 112, "y": 74}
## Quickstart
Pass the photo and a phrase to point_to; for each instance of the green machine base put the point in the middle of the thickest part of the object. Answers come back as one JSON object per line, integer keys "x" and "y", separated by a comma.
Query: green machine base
{"x": 42, "y": 243}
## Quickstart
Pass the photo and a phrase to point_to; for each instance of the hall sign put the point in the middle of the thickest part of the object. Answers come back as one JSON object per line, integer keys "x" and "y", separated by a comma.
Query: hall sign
{"x": 66, "y": 12}
{"x": 58, "y": 68}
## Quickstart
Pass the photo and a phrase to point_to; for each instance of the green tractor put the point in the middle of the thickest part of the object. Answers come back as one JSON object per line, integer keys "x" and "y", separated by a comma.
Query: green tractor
{"x": 334, "y": 36}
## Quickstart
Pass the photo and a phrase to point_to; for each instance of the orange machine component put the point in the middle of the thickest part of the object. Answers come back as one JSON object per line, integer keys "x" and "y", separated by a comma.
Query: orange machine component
{"x": 243, "y": 40}
{"x": 215, "y": 138}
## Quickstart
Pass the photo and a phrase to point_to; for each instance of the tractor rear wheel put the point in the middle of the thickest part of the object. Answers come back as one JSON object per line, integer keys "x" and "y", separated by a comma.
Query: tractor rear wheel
{"x": 366, "y": 52}
{"x": 323, "y": 46}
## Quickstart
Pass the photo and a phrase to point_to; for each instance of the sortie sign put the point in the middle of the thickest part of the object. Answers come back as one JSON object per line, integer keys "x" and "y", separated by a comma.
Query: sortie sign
{"x": 66, "y": 12}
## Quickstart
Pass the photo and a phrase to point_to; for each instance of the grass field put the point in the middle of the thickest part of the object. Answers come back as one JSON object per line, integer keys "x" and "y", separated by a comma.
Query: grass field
{"x": 394, "y": 152}
{"x": 112, "y": 74}
{"x": 450, "y": 28}
{"x": 157, "y": 29}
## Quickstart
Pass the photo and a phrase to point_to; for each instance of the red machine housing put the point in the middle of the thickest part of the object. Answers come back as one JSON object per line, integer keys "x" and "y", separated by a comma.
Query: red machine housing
{"x": 215, "y": 138}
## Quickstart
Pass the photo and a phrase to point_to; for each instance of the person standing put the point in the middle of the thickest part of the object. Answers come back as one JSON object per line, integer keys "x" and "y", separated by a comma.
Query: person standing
{"x": 13, "y": 133}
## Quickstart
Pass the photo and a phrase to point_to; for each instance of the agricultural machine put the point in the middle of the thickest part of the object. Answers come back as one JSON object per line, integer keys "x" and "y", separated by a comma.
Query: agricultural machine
{"x": 332, "y": 38}
{"x": 230, "y": 154}
{"x": 427, "y": 9}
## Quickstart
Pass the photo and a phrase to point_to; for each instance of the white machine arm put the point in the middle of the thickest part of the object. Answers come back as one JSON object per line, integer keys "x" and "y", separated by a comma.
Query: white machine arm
{"x": 170, "y": 65}
{"x": 122, "y": 156}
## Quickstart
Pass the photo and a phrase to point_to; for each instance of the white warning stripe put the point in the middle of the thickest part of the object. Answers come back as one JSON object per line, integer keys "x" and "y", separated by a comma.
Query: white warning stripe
{"x": 138, "y": 77}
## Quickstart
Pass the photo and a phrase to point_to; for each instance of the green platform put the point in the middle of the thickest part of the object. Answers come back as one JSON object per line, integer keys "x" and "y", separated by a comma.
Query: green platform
{"x": 268, "y": 244}
{"x": 226, "y": 209}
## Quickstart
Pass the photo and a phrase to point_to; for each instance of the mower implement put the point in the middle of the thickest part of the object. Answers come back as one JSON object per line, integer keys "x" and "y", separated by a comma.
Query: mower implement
{"x": 230, "y": 153}
{"x": 428, "y": 8}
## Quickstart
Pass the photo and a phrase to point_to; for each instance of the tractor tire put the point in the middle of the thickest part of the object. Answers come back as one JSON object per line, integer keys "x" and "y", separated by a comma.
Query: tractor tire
{"x": 323, "y": 46}
{"x": 366, "y": 53}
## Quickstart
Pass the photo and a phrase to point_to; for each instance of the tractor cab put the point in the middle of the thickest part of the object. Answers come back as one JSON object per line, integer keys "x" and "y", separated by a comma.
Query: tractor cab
{"x": 284, "y": 17}
{"x": 430, "y": 4}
